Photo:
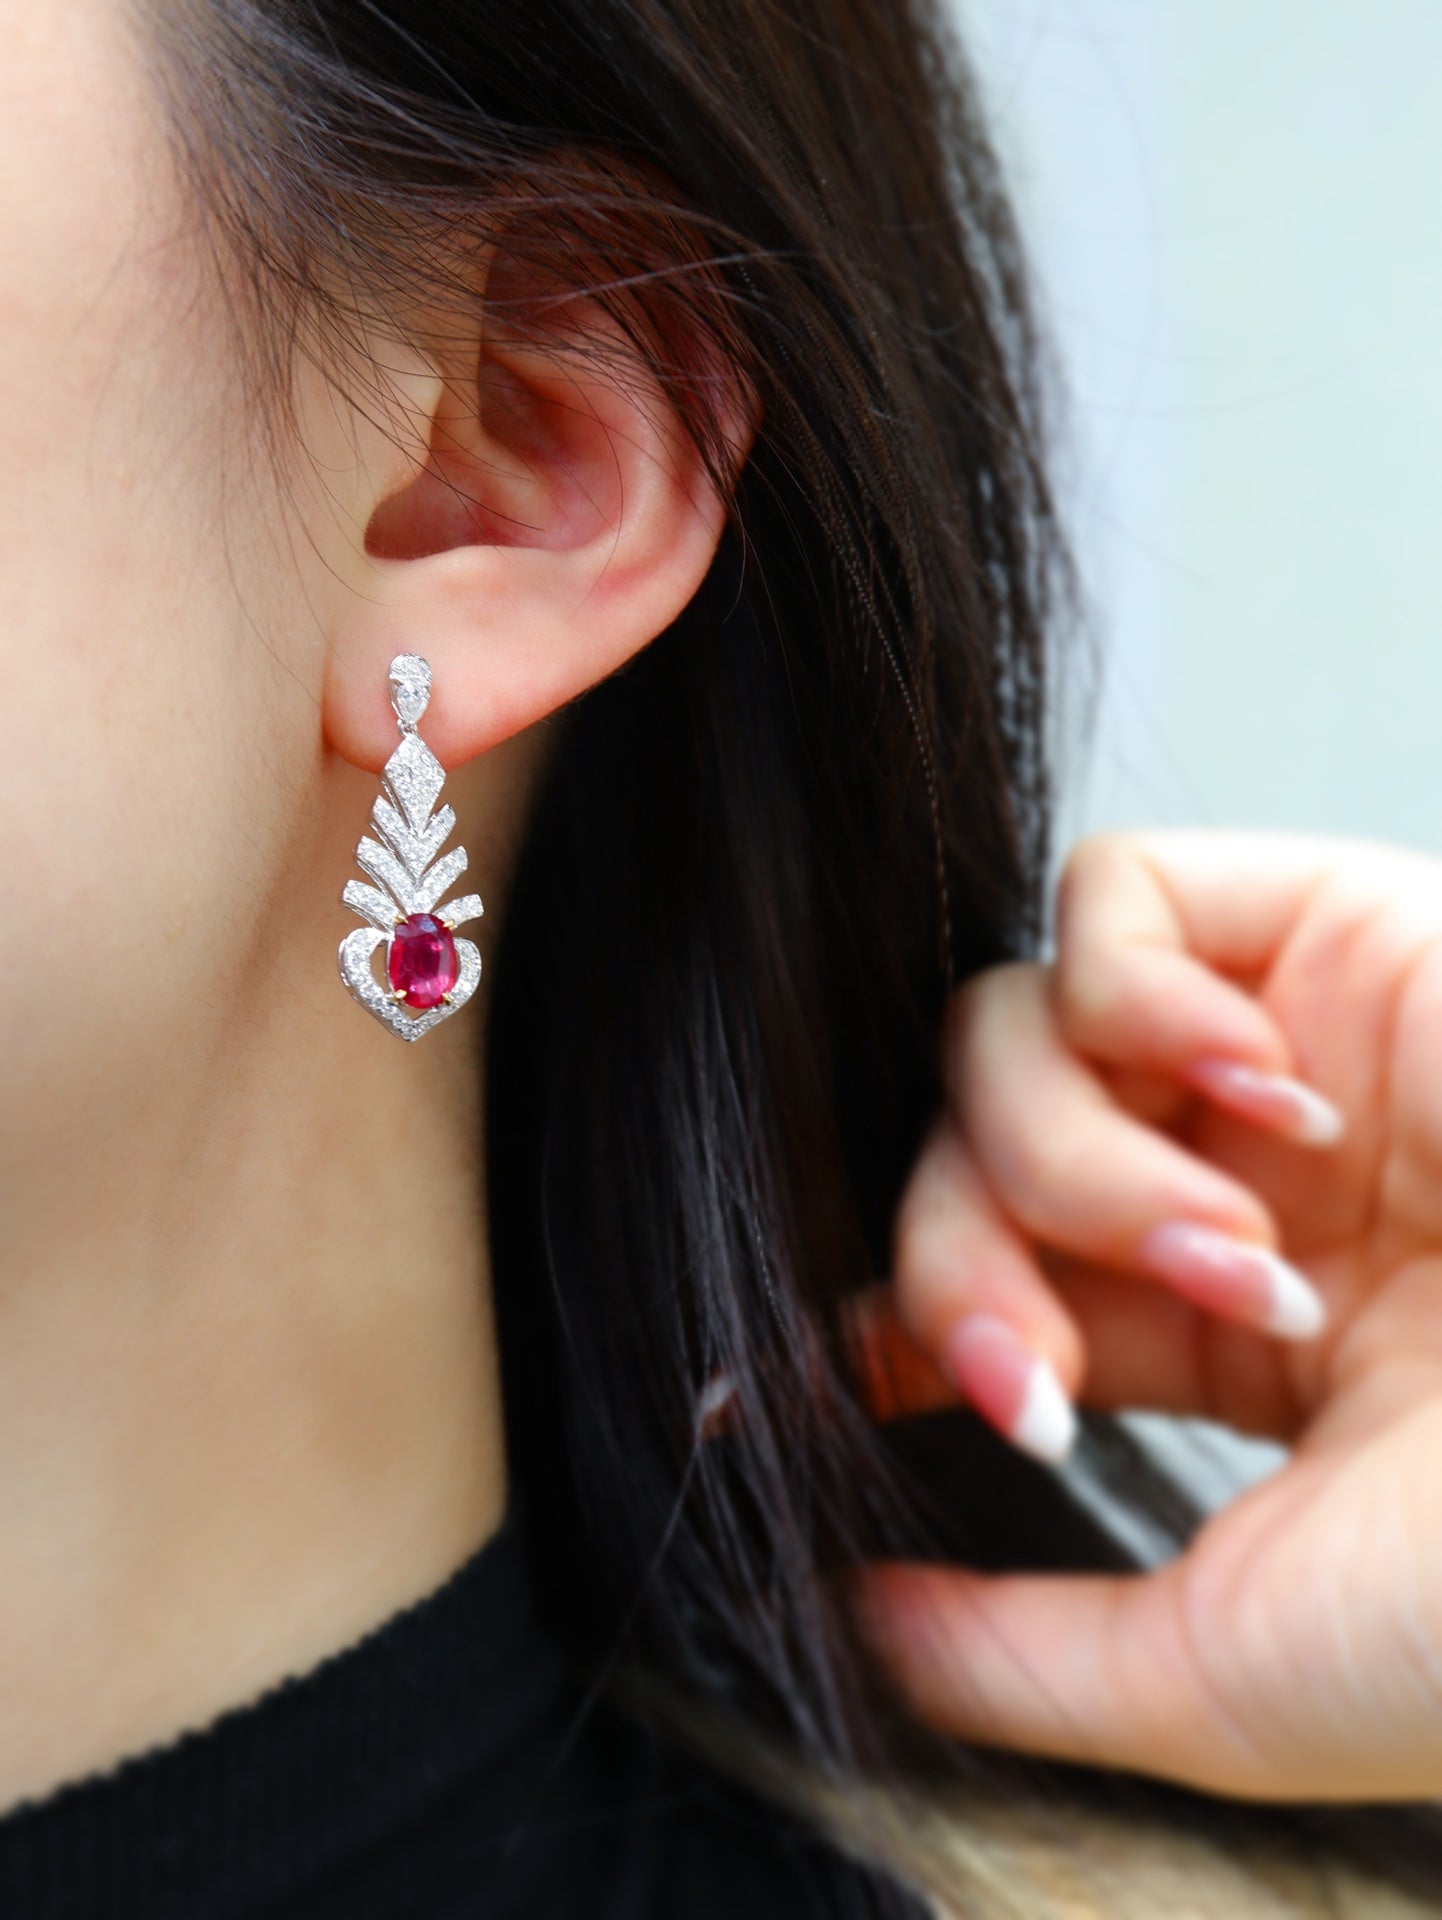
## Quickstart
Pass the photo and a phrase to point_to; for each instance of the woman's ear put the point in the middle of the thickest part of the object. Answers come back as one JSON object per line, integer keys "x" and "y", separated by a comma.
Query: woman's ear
{"x": 553, "y": 517}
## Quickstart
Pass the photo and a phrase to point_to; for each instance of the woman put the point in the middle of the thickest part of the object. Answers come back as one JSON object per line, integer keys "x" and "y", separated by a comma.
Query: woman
{"x": 662, "y": 376}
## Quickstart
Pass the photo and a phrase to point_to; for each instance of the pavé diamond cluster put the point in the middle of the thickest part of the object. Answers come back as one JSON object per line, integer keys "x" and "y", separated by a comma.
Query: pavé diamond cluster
{"x": 430, "y": 973}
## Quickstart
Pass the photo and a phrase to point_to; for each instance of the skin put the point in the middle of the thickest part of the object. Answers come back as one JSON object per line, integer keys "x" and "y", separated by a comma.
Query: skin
{"x": 248, "y": 1386}
{"x": 1291, "y": 1652}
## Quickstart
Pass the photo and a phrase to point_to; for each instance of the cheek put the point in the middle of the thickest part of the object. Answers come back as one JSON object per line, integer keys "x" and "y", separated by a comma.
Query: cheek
{"x": 144, "y": 715}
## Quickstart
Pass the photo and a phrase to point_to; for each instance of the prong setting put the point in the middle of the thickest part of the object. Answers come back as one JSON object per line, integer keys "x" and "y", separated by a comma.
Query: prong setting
{"x": 409, "y": 872}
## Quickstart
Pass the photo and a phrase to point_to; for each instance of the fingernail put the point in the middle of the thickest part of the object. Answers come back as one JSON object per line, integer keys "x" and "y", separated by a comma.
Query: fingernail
{"x": 1012, "y": 1387}
{"x": 1235, "y": 1278}
{"x": 1289, "y": 1107}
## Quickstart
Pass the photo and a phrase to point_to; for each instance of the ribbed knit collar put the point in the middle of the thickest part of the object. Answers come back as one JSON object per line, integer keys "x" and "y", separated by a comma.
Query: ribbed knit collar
{"x": 272, "y": 1805}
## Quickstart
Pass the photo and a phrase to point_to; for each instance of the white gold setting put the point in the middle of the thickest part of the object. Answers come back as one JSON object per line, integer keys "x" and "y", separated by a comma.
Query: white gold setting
{"x": 399, "y": 862}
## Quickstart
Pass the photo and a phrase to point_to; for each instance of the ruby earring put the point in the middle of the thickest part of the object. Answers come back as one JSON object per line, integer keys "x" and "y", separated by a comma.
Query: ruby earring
{"x": 427, "y": 968}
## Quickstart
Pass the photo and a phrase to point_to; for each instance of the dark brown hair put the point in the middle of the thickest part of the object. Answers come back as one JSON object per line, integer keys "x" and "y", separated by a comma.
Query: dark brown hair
{"x": 770, "y": 846}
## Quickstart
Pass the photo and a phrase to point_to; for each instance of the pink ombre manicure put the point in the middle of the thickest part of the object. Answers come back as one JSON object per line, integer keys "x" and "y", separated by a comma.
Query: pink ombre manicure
{"x": 1274, "y": 1100}
{"x": 1009, "y": 1385}
{"x": 1234, "y": 1278}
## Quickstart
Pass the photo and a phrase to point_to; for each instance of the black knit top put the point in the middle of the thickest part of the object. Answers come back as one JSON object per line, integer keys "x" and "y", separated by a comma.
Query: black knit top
{"x": 445, "y": 1765}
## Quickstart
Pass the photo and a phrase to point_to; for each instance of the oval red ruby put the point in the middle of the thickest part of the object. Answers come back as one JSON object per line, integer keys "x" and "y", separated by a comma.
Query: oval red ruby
{"x": 422, "y": 963}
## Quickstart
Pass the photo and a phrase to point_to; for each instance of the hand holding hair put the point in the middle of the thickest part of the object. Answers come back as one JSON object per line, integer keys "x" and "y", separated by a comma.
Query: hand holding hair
{"x": 1195, "y": 1165}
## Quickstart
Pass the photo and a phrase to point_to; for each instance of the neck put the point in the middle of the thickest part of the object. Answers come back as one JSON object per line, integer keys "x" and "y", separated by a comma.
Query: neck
{"x": 249, "y": 1401}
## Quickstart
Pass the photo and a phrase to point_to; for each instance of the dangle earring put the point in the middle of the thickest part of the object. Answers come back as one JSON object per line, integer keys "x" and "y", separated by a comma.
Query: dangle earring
{"x": 427, "y": 968}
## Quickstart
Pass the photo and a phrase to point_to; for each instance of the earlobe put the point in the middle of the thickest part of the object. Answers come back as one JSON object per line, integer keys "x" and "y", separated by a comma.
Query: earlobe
{"x": 561, "y": 519}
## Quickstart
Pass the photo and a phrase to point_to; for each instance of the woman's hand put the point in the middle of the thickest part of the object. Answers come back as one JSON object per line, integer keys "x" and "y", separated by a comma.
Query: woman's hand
{"x": 1196, "y": 1165}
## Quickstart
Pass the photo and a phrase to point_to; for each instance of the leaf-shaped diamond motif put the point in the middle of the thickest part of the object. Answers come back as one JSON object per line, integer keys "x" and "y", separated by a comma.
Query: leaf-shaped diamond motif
{"x": 415, "y": 851}
{"x": 429, "y": 888}
{"x": 400, "y": 863}
{"x": 415, "y": 777}
{"x": 371, "y": 904}
{"x": 383, "y": 867}
{"x": 466, "y": 907}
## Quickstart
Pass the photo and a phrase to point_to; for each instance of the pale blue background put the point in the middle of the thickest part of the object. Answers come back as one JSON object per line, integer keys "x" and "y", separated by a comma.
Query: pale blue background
{"x": 1235, "y": 207}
